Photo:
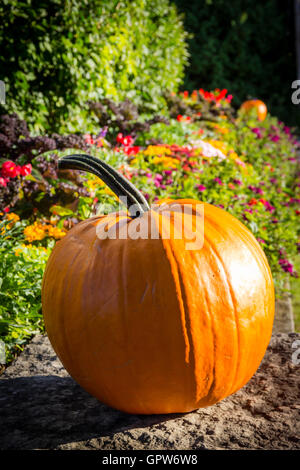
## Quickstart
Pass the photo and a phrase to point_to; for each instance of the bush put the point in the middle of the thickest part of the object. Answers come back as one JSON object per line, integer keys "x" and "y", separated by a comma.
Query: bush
{"x": 245, "y": 46}
{"x": 58, "y": 55}
{"x": 207, "y": 152}
{"x": 21, "y": 272}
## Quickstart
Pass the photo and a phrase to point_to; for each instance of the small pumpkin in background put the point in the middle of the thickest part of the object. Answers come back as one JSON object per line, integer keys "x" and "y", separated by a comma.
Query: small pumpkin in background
{"x": 146, "y": 325}
{"x": 257, "y": 105}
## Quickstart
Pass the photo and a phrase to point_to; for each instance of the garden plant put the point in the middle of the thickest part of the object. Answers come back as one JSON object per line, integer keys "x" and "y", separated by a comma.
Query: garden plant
{"x": 199, "y": 147}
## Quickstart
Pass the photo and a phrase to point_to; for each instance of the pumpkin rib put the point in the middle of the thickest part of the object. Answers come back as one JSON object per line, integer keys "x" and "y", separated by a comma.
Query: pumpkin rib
{"x": 213, "y": 382}
{"x": 175, "y": 270}
{"x": 232, "y": 296}
{"x": 248, "y": 239}
{"x": 206, "y": 398}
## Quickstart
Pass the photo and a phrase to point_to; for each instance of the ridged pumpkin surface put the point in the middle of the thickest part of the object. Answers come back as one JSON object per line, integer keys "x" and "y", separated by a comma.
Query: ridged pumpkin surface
{"x": 258, "y": 105}
{"x": 147, "y": 326}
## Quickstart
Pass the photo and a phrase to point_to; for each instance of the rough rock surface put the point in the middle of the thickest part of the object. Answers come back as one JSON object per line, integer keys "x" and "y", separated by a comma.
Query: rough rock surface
{"x": 41, "y": 407}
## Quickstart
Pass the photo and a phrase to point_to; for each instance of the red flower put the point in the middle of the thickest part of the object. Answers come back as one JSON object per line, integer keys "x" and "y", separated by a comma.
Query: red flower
{"x": 253, "y": 202}
{"x": 9, "y": 169}
{"x": 18, "y": 170}
{"x": 179, "y": 117}
{"x": 127, "y": 141}
{"x": 221, "y": 95}
{"x": 26, "y": 169}
{"x": 119, "y": 138}
{"x": 131, "y": 150}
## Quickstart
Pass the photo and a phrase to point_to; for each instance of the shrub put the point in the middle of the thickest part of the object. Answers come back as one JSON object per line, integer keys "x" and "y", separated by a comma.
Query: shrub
{"x": 246, "y": 46}
{"x": 58, "y": 55}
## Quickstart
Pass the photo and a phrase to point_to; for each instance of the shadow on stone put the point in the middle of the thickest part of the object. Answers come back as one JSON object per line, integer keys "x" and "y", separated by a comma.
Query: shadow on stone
{"x": 42, "y": 412}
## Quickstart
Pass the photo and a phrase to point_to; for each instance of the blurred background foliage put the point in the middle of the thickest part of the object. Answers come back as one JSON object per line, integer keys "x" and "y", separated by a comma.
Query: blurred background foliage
{"x": 55, "y": 56}
{"x": 246, "y": 46}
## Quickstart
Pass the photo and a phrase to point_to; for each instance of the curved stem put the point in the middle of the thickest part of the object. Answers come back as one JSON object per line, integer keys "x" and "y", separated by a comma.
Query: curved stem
{"x": 121, "y": 186}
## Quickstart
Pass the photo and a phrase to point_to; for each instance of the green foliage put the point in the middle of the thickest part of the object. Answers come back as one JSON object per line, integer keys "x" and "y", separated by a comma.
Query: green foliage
{"x": 247, "y": 47}
{"x": 21, "y": 272}
{"x": 55, "y": 56}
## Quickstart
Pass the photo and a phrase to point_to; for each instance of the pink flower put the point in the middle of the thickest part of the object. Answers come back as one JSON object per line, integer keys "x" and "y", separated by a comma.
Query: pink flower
{"x": 219, "y": 181}
{"x": 201, "y": 188}
{"x": 258, "y": 132}
{"x": 3, "y": 181}
{"x": 240, "y": 162}
{"x": 26, "y": 169}
{"x": 89, "y": 139}
{"x": 286, "y": 265}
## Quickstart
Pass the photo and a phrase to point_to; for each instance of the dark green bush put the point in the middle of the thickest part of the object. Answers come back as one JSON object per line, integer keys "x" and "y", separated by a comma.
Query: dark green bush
{"x": 245, "y": 46}
{"x": 55, "y": 56}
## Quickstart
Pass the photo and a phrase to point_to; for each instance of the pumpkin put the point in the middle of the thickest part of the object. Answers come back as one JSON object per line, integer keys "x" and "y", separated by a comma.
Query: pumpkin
{"x": 147, "y": 325}
{"x": 257, "y": 105}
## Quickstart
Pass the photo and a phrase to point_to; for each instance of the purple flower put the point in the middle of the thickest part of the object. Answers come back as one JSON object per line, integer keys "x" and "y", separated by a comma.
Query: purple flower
{"x": 103, "y": 132}
{"x": 273, "y": 180}
{"x": 274, "y": 138}
{"x": 168, "y": 172}
{"x": 255, "y": 189}
{"x": 238, "y": 182}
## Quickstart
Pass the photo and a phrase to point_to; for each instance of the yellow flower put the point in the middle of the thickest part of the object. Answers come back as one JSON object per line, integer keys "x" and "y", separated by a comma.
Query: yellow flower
{"x": 36, "y": 231}
{"x": 13, "y": 217}
{"x": 153, "y": 150}
{"x": 221, "y": 129}
{"x": 18, "y": 251}
{"x": 55, "y": 232}
{"x": 165, "y": 161}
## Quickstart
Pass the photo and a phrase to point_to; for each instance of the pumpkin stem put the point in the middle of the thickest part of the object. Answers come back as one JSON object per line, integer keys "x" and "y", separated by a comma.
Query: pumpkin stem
{"x": 121, "y": 186}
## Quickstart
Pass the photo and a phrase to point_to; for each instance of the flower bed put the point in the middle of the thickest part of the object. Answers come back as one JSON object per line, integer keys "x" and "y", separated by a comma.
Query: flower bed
{"x": 202, "y": 149}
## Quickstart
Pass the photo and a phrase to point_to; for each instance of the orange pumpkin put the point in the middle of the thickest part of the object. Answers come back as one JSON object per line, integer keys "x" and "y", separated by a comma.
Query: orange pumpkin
{"x": 147, "y": 325}
{"x": 258, "y": 105}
